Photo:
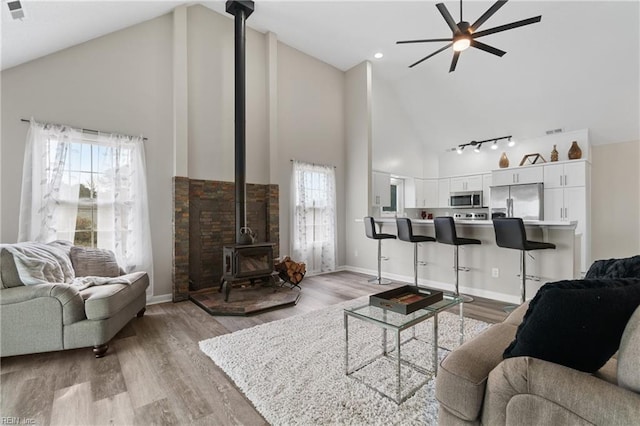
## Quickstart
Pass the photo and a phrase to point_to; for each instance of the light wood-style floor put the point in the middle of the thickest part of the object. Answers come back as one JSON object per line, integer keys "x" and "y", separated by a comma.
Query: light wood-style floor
{"x": 154, "y": 372}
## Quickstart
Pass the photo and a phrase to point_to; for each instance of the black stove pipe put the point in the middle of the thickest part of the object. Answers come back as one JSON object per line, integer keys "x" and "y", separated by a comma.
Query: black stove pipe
{"x": 241, "y": 11}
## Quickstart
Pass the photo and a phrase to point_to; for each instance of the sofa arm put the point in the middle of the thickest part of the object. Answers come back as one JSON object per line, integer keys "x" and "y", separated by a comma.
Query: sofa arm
{"x": 462, "y": 376}
{"x": 69, "y": 298}
{"x": 524, "y": 388}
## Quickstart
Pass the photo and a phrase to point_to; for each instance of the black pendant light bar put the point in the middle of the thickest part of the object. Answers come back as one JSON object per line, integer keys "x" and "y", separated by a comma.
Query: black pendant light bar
{"x": 478, "y": 144}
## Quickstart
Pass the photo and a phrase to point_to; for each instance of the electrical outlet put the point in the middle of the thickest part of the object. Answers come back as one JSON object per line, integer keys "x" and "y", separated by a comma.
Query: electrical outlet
{"x": 495, "y": 272}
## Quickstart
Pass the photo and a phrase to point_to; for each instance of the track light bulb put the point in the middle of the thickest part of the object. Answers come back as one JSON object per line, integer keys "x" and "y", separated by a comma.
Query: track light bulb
{"x": 477, "y": 148}
{"x": 511, "y": 142}
{"x": 459, "y": 149}
{"x": 494, "y": 145}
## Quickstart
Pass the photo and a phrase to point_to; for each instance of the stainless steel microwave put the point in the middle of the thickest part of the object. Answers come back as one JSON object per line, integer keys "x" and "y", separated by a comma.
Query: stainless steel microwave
{"x": 462, "y": 200}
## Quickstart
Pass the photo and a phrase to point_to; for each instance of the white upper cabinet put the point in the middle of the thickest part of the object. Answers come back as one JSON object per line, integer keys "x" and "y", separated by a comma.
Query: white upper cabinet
{"x": 466, "y": 183}
{"x": 517, "y": 176}
{"x": 430, "y": 192}
{"x": 443, "y": 192}
{"x": 381, "y": 195}
{"x": 562, "y": 175}
{"x": 413, "y": 197}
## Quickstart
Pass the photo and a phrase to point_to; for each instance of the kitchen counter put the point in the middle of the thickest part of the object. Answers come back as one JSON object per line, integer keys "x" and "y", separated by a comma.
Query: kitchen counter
{"x": 467, "y": 222}
{"x": 492, "y": 271}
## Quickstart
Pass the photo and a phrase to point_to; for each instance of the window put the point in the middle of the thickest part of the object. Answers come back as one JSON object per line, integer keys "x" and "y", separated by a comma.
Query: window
{"x": 314, "y": 216}
{"x": 89, "y": 189}
{"x": 396, "y": 207}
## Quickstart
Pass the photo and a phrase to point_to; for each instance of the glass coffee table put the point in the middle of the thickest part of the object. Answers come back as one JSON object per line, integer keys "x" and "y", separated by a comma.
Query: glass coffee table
{"x": 388, "y": 320}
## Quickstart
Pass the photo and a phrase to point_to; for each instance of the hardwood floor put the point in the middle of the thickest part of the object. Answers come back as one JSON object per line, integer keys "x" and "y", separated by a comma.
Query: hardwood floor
{"x": 154, "y": 372}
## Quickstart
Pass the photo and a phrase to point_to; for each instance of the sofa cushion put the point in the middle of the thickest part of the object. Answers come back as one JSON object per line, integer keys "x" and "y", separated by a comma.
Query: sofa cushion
{"x": 104, "y": 301}
{"x": 9, "y": 276}
{"x": 462, "y": 376}
{"x": 576, "y": 323}
{"x": 629, "y": 355}
{"x": 94, "y": 262}
{"x": 615, "y": 268}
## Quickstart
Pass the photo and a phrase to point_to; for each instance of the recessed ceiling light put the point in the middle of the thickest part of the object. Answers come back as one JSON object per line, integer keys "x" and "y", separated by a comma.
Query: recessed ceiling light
{"x": 378, "y": 55}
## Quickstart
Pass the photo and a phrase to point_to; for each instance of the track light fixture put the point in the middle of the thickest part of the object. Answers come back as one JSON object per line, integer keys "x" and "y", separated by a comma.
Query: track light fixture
{"x": 478, "y": 144}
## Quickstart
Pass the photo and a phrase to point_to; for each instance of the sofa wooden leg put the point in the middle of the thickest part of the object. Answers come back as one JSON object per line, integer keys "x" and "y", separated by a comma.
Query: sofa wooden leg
{"x": 140, "y": 314}
{"x": 100, "y": 350}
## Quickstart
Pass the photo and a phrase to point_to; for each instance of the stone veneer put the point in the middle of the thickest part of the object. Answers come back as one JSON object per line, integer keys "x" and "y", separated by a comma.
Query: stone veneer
{"x": 204, "y": 221}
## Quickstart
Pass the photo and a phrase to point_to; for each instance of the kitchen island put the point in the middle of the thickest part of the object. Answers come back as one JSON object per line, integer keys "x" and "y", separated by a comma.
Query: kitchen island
{"x": 492, "y": 270}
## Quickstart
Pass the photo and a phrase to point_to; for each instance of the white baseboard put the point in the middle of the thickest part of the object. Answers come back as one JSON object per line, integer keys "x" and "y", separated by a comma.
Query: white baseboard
{"x": 437, "y": 285}
{"x": 153, "y": 300}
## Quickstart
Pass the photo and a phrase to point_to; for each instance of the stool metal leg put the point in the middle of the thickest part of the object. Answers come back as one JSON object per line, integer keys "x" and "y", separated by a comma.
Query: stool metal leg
{"x": 523, "y": 282}
{"x": 456, "y": 266}
{"x": 415, "y": 264}
{"x": 379, "y": 280}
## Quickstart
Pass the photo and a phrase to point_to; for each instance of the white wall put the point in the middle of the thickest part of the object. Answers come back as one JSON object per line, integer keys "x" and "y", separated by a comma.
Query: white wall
{"x": 397, "y": 148}
{"x": 120, "y": 82}
{"x": 211, "y": 98}
{"x": 453, "y": 164}
{"x": 358, "y": 163}
{"x": 311, "y": 121}
{"x": 615, "y": 205}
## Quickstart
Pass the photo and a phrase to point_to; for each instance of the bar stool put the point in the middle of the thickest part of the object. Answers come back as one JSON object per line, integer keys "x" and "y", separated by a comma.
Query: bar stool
{"x": 446, "y": 234}
{"x": 370, "y": 229}
{"x": 405, "y": 233}
{"x": 510, "y": 233}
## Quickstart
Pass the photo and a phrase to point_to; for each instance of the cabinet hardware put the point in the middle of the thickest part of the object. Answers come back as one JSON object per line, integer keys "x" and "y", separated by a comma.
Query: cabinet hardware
{"x": 561, "y": 217}
{"x": 566, "y": 216}
{"x": 560, "y": 180}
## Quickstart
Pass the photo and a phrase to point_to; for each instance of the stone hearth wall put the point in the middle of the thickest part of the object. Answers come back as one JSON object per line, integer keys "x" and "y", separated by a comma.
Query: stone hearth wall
{"x": 204, "y": 222}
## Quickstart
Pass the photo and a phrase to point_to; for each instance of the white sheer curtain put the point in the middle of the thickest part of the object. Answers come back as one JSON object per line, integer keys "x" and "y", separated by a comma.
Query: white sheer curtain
{"x": 313, "y": 231}
{"x": 103, "y": 176}
{"x": 50, "y": 188}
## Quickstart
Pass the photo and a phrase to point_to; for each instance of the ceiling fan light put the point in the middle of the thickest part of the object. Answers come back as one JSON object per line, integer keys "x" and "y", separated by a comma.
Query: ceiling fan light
{"x": 462, "y": 43}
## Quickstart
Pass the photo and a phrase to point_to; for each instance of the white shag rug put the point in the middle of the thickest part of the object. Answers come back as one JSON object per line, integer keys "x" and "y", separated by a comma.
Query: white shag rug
{"x": 292, "y": 370}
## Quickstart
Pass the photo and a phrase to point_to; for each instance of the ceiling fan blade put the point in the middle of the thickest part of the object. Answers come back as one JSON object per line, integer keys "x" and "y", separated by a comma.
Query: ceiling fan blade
{"x": 428, "y": 56}
{"x": 447, "y": 17}
{"x": 454, "y": 61}
{"x": 507, "y": 27}
{"x": 423, "y": 41}
{"x": 487, "y": 48}
{"x": 493, "y": 9}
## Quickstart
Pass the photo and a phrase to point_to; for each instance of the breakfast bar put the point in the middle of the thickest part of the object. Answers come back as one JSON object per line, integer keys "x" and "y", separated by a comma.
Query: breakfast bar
{"x": 490, "y": 271}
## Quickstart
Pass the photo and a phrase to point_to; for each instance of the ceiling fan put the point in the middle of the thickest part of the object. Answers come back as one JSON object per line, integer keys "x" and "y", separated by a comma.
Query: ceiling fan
{"x": 465, "y": 35}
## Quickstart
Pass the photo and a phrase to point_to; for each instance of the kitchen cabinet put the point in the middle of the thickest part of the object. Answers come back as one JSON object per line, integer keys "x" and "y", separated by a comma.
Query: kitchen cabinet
{"x": 381, "y": 194}
{"x": 443, "y": 192}
{"x": 563, "y": 175}
{"x": 566, "y": 205}
{"x": 520, "y": 175}
{"x": 465, "y": 183}
{"x": 421, "y": 193}
{"x": 430, "y": 192}
{"x": 486, "y": 189}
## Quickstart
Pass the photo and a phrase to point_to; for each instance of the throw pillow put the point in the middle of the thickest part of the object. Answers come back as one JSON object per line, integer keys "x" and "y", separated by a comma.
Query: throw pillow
{"x": 94, "y": 262}
{"x": 615, "y": 268}
{"x": 576, "y": 323}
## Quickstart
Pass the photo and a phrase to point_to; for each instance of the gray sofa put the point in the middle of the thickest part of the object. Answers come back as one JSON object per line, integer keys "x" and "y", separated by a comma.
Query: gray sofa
{"x": 475, "y": 385}
{"x": 52, "y": 316}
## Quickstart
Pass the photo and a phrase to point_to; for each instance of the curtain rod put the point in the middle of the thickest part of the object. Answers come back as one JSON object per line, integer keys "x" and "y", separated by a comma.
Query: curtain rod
{"x": 85, "y": 130}
{"x": 330, "y": 165}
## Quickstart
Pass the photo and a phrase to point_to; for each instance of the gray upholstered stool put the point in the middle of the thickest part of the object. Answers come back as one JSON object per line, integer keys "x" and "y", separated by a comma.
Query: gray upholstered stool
{"x": 405, "y": 233}
{"x": 370, "y": 229}
{"x": 446, "y": 234}
{"x": 510, "y": 233}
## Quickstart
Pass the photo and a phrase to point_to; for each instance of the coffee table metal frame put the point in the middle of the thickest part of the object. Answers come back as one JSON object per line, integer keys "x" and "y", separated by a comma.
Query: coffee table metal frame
{"x": 396, "y": 323}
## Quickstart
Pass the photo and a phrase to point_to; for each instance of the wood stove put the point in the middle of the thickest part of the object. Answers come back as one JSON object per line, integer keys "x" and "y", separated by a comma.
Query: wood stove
{"x": 247, "y": 262}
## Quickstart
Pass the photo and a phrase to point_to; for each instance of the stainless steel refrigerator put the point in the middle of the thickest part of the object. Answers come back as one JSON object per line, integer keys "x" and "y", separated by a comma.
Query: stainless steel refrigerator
{"x": 524, "y": 201}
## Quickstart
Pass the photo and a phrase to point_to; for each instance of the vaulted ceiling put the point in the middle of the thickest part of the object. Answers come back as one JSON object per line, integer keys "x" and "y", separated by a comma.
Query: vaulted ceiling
{"x": 578, "y": 68}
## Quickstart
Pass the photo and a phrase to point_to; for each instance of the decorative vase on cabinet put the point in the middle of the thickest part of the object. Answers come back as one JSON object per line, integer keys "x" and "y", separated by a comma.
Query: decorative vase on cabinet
{"x": 554, "y": 154}
{"x": 504, "y": 161}
{"x": 575, "y": 153}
